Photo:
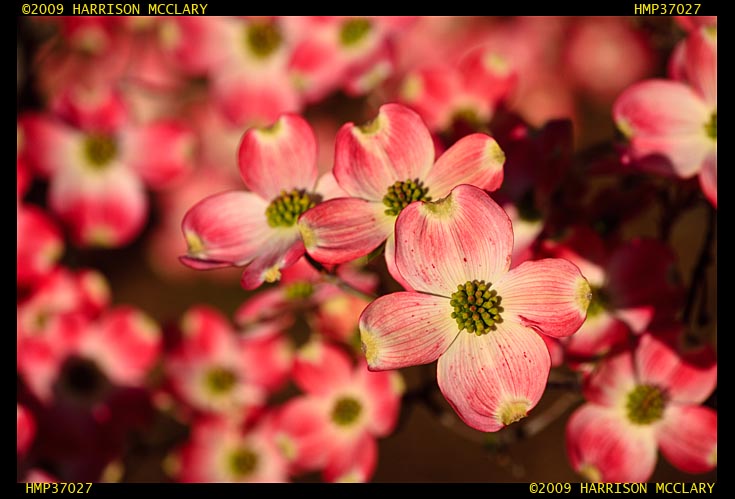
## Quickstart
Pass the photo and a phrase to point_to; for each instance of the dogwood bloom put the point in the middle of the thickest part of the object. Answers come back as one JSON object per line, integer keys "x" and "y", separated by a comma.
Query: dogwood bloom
{"x": 672, "y": 125}
{"x": 640, "y": 401}
{"x": 258, "y": 229}
{"x": 216, "y": 371}
{"x": 384, "y": 166}
{"x": 333, "y": 427}
{"x": 469, "y": 311}
{"x": 97, "y": 175}
{"x": 220, "y": 451}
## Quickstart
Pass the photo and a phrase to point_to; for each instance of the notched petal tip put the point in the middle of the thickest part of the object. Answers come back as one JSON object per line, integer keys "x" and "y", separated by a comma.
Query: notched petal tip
{"x": 584, "y": 294}
{"x": 442, "y": 208}
{"x": 369, "y": 348}
{"x": 513, "y": 411}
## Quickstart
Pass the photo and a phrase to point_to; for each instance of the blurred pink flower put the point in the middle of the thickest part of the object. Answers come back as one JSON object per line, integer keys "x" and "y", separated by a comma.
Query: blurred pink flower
{"x": 218, "y": 372}
{"x": 220, "y": 451}
{"x": 632, "y": 284}
{"x": 97, "y": 174}
{"x": 642, "y": 401}
{"x": 469, "y": 311}
{"x": 672, "y": 125}
{"x": 334, "y": 426}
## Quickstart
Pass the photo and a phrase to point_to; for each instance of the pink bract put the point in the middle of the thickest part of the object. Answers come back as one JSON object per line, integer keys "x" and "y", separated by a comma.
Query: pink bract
{"x": 641, "y": 401}
{"x": 334, "y": 426}
{"x": 479, "y": 319}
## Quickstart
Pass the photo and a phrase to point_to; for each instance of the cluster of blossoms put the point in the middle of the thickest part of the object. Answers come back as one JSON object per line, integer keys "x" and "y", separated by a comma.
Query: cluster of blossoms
{"x": 391, "y": 192}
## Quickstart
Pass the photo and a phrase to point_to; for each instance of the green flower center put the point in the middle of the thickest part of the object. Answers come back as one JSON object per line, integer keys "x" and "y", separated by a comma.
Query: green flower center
{"x": 711, "y": 127}
{"x": 263, "y": 39}
{"x": 401, "y": 194}
{"x": 286, "y": 208}
{"x": 645, "y": 404}
{"x": 243, "y": 461}
{"x": 476, "y": 307}
{"x": 353, "y": 31}
{"x": 599, "y": 302}
{"x": 220, "y": 380}
{"x": 346, "y": 411}
{"x": 299, "y": 290}
{"x": 100, "y": 150}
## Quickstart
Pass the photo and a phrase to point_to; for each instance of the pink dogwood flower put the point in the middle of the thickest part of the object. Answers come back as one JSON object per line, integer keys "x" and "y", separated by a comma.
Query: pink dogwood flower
{"x": 218, "y": 450}
{"x": 384, "y": 166}
{"x": 218, "y": 372}
{"x": 672, "y": 125}
{"x": 258, "y": 229}
{"x": 97, "y": 175}
{"x": 478, "y": 318}
{"x": 641, "y": 401}
{"x": 78, "y": 358}
{"x": 334, "y": 426}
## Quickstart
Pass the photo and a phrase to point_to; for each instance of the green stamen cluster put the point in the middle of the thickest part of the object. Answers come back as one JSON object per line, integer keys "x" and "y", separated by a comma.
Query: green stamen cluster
{"x": 286, "y": 208}
{"x": 711, "y": 127}
{"x": 263, "y": 39}
{"x": 599, "y": 303}
{"x": 346, "y": 411}
{"x": 476, "y": 307}
{"x": 100, "y": 150}
{"x": 220, "y": 380}
{"x": 243, "y": 462}
{"x": 645, "y": 404}
{"x": 401, "y": 194}
{"x": 299, "y": 290}
{"x": 353, "y": 31}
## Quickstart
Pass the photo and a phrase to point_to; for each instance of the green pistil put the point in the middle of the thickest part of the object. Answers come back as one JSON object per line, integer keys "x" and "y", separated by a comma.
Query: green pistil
{"x": 286, "y": 208}
{"x": 711, "y": 127}
{"x": 220, "y": 380}
{"x": 299, "y": 290}
{"x": 645, "y": 404}
{"x": 353, "y": 31}
{"x": 243, "y": 462}
{"x": 346, "y": 411}
{"x": 263, "y": 39}
{"x": 401, "y": 194}
{"x": 100, "y": 150}
{"x": 599, "y": 302}
{"x": 476, "y": 307}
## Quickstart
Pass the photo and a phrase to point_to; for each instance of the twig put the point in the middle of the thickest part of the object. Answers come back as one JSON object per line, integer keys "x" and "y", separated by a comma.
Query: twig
{"x": 698, "y": 280}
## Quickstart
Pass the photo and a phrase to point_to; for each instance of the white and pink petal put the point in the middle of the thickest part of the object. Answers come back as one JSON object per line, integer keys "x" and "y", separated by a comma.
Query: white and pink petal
{"x": 225, "y": 229}
{"x": 688, "y": 438}
{"x": 550, "y": 296}
{"x": 495, "y": 379}
{"x": 603, "y": 448}
{"x": 406, "y": 329}
{"x": 343, "y": 229}
{"x": 280, "y": 157}
{"x": 394, "y": 147}
{"x": 475, "y": 159}
{"x": 463, "y": 237}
